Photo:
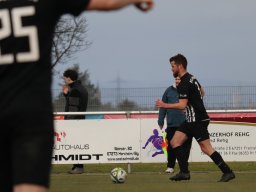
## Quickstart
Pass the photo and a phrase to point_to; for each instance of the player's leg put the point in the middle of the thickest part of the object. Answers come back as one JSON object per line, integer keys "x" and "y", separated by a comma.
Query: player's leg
{"x": 187, "y": 146}
{"x": 5, "y": 159}
{"x": 207, "y": 148}
{"x": 177, "y": 141}
{"x": 171, "y": 157}
{"x": 202, "y": 136}
{"x": 32, "y": 151}
{"x": 77, "y": 169}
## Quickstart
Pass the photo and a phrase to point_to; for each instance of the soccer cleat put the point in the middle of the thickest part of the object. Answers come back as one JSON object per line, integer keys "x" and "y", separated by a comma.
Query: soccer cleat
{"x": 76, "y": 170}
{"x": 227, "y": 177}
{"x": 169, "y": 170}
{"x": 180, "y": 176}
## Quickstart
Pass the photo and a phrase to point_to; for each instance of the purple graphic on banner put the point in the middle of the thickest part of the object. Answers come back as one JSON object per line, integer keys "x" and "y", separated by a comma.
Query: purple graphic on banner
{"x": 156, "y": 141}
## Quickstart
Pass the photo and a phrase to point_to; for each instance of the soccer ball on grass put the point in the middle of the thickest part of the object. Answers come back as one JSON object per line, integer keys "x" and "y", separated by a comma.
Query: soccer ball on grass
{"x": 118, "y": 175}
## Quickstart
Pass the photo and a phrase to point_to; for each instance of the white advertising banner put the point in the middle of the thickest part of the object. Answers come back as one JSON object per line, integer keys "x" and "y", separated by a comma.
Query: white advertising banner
{"x": 140, "y": 140}
{"x": 96, "y": 141}
{"x": 234, "y": 141}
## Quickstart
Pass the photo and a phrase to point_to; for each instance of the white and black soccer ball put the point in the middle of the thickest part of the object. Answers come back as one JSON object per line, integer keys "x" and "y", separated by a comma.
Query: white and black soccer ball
{"x": 118, "y": 175}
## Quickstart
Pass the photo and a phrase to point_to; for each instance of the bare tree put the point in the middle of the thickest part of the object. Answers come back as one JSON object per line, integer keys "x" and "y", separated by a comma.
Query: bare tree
{"x": 69, "y": 38}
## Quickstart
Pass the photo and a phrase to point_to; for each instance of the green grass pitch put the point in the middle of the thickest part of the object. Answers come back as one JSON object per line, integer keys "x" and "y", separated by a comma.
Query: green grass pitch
{"x": 151, "y": 178}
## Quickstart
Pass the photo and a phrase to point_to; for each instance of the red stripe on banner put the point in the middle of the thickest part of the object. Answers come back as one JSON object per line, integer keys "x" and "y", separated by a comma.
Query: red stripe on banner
{"x": 115, "y": 117}
{"x": 143, "y": 116}
{"x": 234, "y": 117}
{"x": 58, "y": 117}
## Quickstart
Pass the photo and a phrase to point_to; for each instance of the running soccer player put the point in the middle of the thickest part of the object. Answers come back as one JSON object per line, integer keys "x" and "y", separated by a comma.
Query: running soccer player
{"x": 196, "y": 124}
{"x": 26, "y": 136}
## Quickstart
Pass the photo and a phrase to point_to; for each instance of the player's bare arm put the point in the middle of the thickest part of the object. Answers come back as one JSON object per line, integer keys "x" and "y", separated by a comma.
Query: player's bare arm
{"x": 105, "y": 5}
{"x": 180, "y": 105}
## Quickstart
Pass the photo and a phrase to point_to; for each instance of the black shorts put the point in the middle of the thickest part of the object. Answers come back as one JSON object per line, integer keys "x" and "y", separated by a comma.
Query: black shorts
{"x": 170, "y": 131}
{"x": 198, "y": 130}
{"x": 26, "y": 141}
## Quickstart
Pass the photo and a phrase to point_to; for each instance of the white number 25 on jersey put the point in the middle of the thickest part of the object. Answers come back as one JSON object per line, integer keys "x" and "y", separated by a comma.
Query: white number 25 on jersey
{"x": 30, "y": 32}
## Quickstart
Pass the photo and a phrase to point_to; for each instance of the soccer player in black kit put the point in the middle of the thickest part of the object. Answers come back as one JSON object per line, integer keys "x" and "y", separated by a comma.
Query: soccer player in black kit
{"x": 26, "y": 121}
{"x": 196, "y": 124}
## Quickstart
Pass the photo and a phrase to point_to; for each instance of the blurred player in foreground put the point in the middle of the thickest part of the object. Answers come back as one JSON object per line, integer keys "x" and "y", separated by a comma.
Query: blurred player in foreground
{"x": 175, "y": 118}
{"x": 196, "y": 124}
{"x": 26, "y": 33}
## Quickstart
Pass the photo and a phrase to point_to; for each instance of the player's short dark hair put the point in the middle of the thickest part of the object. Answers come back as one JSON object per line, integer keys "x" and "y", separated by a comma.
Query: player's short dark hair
{"x": 72, "y": 74}
{"x": 179, "y": 59}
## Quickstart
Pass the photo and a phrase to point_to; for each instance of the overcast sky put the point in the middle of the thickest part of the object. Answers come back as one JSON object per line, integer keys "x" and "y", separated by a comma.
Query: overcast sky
{"x": 217, "y": 37}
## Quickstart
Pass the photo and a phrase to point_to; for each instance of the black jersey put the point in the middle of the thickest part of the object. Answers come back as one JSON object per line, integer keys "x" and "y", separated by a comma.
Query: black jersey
{"x": 189, "y": 88}
{"x": 26, "y": 33}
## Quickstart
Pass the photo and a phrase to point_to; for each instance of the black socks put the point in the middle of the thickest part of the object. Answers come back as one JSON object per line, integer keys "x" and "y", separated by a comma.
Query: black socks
{"x": 217, "y": 159}
{"x": 182, "y": 159}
